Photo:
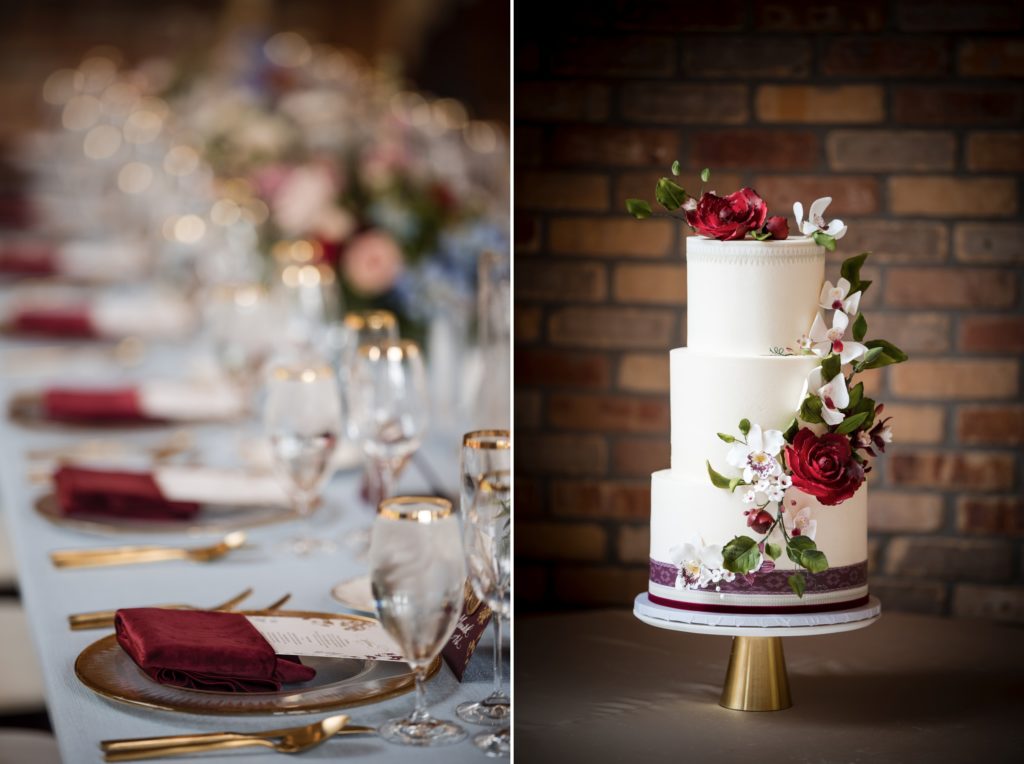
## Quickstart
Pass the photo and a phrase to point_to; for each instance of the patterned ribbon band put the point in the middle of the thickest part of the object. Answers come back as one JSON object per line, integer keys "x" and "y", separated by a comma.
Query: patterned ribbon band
{"x": 774, "y": 582}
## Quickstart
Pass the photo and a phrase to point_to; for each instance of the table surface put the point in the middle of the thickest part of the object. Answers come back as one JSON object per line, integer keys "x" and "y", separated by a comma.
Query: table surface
{"x": 906, "y": 689}
{"x": 80, "y": 718}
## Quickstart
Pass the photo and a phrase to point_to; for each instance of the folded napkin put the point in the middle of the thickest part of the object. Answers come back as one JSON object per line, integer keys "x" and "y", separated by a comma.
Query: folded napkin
{"x": 76, "y": 405}
{"x": 83, "y": 491}
{"x": 205, "y": 651}
{"x": 60, "y": 322}
{"x": 154, "y": 400}
{"x": 27, "y": 259}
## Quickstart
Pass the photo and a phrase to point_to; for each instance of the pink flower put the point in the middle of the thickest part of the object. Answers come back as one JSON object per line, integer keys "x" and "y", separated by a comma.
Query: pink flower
{"x": 371, "y": 263}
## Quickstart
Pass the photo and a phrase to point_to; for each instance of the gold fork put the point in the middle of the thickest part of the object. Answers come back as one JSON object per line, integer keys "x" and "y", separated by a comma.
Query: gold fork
{"x": 101, "y": 619}
{"x": 128, "y": 555}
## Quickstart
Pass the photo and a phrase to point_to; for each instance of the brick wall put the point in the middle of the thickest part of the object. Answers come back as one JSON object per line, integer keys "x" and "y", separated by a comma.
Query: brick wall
{"x": 910, "y": 115}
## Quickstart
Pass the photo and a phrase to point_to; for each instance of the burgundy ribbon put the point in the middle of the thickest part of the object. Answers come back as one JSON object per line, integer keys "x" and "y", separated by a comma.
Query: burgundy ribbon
{"x": 56, "y": 322}
{"x": 700, "y": 607}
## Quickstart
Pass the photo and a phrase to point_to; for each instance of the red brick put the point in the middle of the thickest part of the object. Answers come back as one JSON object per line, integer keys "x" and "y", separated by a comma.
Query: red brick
{"x": 600, "y": 586}
{"x": 614, "y": 56}
{"x": 835, "y": 16}
{"x": 529, "y": 494}
{"x": 571, "y": 191}
{"x": 909, "y": 596}
{"x": 552, "y": 454}
{"x": 991, "y": 425}
{"x": 812, "y": 104}
{"x": 860, "y": 56}
{"x": 898, "y": 512}
{"x": 622, "y": 500}
{"x": 955, "y": 105}
{"x": 895, "y": 241}
{"x": 527, "y": 323}
{"x": 754, "y": 149}
{"x": 634, "y": 543}
{"x": 664, "y": 16}
{"x": 560, "y": 541}
{"x": 746, "y": 57}
{"x": 529, "y": 146}
{"x": 943, "y": 16}
{"x": 562, "y": 368}
{"x": 888, "y": 150}
{"x": 614, "y": 236}
{"x": 942, "y": 288}
{"x": 918, "y": 425}
{"x": 528, "y": 58}
{"x": 949, "y": 559}
{"x": 995, "y": 151}
{"x": 681, "y": 103}
{"x": 614, "y": 146}
{"x": 851, "y": 194}
{"x": 628, "y": 328}
{"x": 531, "y": 585}
{"x": 978, "y": 470}
{"x": 994, "y": 603}
{"x": 527, "y": 233}
{"x": 956, "y": 197}
{"x": 560, "y": 281}
{"x": 989, "y": 242}
{"x": 992, "y": 57}
{"x": 992, "y": 334}
{"x": 528, "y": 410}
{"x": 643, "y": 372}
{"x": 990, "y": 515}
{"x": 655, "y": 284}
{"x": 913, "y": 332}
{"x": 561, "y": 101}
{"x": 608, "y": 413}
{"x": 639, "y": 457}
{"x": 640, "y": 185}
{"x": 955, "y": 379}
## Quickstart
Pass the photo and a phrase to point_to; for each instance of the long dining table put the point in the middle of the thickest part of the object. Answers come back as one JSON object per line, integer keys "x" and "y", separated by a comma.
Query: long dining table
{"x": 81, "y": 718}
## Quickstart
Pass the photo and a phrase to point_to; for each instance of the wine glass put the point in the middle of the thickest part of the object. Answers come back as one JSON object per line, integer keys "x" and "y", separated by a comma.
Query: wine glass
{"x": 418, "y": 575}
{"x": 388, "y": 406}
{"x": 486, "y": 516}
{"x": 302, "y": 419}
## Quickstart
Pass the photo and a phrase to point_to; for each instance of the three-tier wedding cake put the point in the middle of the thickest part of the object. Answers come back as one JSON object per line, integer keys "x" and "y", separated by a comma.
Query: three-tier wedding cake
{"x": 764, "y": 508}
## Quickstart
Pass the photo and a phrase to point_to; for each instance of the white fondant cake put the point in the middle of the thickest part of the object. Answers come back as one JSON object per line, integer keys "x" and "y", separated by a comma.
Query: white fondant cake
{"x": 745, "y": 299}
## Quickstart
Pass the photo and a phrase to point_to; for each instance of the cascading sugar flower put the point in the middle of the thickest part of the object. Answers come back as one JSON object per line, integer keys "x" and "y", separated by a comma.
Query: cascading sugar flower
{"x": 834, "y": 395}
{"x": 838, "y": 297}
{"x": 757, "y": 457}
{"x": 823, "y": 340}
{"x": 816, "y": 219}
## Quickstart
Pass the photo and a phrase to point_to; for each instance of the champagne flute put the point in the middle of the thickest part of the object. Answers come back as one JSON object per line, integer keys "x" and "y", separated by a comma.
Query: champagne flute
{"x": 418, "y": 575}
{"x": 302, "y": 419}
{"x": 486, "y": 516}
{"x": 388, "y": 406}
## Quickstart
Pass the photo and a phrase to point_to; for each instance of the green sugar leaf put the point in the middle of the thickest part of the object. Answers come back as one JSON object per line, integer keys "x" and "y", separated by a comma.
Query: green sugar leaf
{"x": 797, "y": 584}
{"x": 675, "y": 167}
{"x": 851, "y": 423}
{"x": 638, "y": 208}
{"x": 860, "y": 327}
{"x": 741, "y": 554}
{"x": 669, "y": 194}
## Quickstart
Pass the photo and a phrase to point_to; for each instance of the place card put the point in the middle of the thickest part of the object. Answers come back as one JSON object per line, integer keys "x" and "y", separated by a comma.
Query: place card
{"x": 358, "y": 638}
{"x": 460, "y": 648}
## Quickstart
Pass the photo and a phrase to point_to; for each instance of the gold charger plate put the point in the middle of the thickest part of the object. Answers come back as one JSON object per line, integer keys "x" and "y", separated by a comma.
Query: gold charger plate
{"x": 107, "y": 670}
{"x": 221, "y": 520}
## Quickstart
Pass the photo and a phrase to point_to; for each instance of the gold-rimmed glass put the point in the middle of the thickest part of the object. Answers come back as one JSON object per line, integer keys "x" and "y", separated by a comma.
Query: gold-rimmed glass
{"x": 388, "y": 406}
{"x": 303, "y": 421}
{"x": 486, "y": 504}
{"x": 418, "y": 574}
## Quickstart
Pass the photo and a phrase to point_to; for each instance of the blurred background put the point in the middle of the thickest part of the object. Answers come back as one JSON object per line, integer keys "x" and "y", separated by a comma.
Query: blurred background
{"x": 909, "y": 114}
{"x": 202, "y": 134}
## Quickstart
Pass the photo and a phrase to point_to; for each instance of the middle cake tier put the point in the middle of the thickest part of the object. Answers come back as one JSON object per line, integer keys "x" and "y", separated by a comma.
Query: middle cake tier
{"x": 711, "y": 393}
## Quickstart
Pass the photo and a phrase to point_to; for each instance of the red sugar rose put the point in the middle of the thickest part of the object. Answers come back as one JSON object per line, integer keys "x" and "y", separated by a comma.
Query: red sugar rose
{"x": 730, "y": 217}
{"x": 824, "y": 467}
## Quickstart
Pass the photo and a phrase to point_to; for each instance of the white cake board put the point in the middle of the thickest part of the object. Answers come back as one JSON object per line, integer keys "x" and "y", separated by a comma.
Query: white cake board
{"x": 752, "y": 625}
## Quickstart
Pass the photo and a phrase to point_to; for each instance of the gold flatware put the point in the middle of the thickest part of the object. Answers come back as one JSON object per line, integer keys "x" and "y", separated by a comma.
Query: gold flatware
{"x": 291, "y": 740}
{"x": 104, "y": 619}
{"x": 128, "y": 555}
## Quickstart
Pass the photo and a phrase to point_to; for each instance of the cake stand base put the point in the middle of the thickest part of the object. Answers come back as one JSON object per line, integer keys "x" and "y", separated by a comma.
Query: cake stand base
{"x": 756, "y": 679}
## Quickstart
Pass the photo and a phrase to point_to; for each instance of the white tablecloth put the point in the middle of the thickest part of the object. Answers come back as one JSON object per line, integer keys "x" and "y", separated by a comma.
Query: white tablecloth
{"x": 80, "y": 718}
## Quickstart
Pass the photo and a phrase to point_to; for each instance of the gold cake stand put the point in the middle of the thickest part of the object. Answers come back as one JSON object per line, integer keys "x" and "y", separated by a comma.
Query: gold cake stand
{"x": 756, "y": 679}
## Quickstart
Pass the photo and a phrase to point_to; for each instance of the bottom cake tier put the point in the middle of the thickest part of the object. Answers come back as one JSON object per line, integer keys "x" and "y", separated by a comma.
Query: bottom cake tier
{"x": 691, "y": 521}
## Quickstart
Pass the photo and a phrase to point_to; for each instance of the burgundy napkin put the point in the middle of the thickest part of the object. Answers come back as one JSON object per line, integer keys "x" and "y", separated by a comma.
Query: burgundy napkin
{"x": 472, "y": 622}
{"x": 83, "y": 491}
{"x": 205, "y": 650}
{"x": 58, "y": 322}
{"x": 28, "y": 259}
{"x": 76, "y": 405}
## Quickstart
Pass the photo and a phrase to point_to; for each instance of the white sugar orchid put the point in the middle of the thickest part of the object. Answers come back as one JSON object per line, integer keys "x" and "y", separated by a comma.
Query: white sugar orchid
{"x": 838, "y": 297}
{"x": 824, "y": 340}
{"x": 834, "y": 395}
{"x": 699, "y": 564}
{"x": 816, "y": 219}
{"x": 756, "y": 457}
{"x": 800, "y": 522}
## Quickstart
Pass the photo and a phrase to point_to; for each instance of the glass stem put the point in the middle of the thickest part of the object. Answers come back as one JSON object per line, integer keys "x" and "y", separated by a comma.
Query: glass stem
{"x": 385, "y": 478}
{"x": 497, "y": 694}
{"x": 420, "y": 715}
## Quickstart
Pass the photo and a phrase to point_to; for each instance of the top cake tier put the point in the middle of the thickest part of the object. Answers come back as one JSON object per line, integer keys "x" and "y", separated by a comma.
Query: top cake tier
{"x": 746, "y": 297}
